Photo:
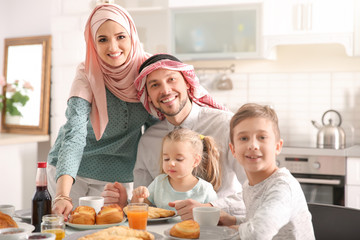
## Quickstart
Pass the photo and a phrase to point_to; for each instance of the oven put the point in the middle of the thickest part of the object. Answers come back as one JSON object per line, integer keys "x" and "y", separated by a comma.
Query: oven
{"x": 322, "y": 178}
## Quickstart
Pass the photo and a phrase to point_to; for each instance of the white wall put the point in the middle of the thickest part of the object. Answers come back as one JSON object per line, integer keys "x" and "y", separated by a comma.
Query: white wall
{"x": 21, "y": 18}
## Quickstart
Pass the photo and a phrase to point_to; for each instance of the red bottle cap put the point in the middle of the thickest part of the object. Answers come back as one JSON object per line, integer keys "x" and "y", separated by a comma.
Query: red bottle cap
{"x": 41, "y": 164}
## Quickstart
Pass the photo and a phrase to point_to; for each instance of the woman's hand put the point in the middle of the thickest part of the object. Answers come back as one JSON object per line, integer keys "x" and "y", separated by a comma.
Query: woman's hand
{"x": 115, "y": 193}
{"x": 139, "y": 194}
{"x": 63, "y": 207}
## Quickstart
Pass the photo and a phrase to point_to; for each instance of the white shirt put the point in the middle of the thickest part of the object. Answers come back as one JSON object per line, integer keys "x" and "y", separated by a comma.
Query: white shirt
{"x": 276, "y": 208}
{"x": 161, "y": 192}
{"x": 208, "y": 122}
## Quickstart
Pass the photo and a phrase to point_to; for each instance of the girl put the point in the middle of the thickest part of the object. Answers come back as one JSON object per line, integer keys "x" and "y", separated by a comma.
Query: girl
{"x": 185, "y": 154}
{"x": 103, "y": 149}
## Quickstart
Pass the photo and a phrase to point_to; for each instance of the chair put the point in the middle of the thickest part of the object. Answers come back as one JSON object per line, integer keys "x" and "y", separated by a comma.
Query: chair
{"x": 335, "y": 222}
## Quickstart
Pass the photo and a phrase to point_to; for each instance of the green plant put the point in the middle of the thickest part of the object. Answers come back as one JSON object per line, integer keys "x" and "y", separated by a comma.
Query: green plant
{"x": 15, "y": 96}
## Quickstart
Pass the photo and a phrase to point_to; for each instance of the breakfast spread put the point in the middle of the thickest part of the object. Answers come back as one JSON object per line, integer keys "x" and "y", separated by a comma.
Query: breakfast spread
{"x": 86, "y": 215}
{"x": 186, "y": 229}
{"x": 119, "y": 233}
{"x": 155, "y": 213}
{"x": 6, "y": 221}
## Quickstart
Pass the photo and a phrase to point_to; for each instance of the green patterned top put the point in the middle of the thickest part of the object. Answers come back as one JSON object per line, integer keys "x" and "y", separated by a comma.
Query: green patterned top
{"x": 112, "y": 158}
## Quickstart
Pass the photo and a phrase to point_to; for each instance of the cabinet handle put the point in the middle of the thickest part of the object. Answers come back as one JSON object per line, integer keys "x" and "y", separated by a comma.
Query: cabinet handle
{"x": 319, "y": 181}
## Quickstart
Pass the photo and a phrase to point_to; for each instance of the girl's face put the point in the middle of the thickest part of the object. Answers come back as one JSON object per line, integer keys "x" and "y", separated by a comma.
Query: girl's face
{"x": 179, "y": 159}
{"x": 113, "y": 43}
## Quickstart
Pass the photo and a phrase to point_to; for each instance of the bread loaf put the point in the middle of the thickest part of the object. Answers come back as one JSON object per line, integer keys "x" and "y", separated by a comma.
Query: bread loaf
{"x": 83, "y": 215}
{"x": 110, "y": 214}
{"x": 155, "y": 213}
{"x": 117, "y": 233}
{"x": 186, "y": 229}
{"x": 6, "y": 221}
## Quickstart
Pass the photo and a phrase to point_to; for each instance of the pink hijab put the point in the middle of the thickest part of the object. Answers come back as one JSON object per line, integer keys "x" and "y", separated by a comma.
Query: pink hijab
{"x": 196, "y": 92}
{"x": 94, "y": 75}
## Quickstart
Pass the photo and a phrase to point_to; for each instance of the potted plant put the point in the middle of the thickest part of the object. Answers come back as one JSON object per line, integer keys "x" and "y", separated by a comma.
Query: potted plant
{"x": 14, "y": 95}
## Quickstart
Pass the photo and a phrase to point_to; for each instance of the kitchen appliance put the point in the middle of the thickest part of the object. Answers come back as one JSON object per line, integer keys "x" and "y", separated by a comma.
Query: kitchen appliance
{"x": 330, "y": 135}
{"x": 322, "y": 178}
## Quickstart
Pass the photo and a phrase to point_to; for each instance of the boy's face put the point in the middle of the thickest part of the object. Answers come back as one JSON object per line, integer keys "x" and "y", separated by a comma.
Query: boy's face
{"x": 255, "y": 145}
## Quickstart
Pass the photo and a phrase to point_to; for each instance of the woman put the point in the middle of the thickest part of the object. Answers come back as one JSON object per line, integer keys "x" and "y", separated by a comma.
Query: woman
{"x": 88, "y": 154}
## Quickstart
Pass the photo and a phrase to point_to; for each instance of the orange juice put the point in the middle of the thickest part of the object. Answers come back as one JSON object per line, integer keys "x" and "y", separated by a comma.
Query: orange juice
{"x": 137, "y": 219}
{"x": 60, "y": 233}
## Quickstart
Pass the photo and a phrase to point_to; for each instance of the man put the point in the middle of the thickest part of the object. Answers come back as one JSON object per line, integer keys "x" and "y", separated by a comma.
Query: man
{"x": 170, "y": 90}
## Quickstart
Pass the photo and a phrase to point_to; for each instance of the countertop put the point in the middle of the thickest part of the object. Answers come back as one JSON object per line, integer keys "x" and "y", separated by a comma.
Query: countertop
{"x": 12, "y": 138}
{"x": 353, "y": 151}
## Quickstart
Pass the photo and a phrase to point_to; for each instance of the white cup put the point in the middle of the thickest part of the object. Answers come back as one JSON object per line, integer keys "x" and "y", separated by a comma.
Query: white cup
{"x": 8, "y": 209}
{"x": 206, "y": 216}
{"x": 95, "y": 202}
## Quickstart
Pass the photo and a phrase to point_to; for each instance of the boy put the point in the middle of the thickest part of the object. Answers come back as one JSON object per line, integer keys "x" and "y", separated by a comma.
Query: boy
{"x": 276, "y": 207}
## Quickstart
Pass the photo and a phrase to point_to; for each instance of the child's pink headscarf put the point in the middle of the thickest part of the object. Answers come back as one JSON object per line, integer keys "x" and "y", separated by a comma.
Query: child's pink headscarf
{"x": 93, "y": 75}
{"x": 196, "y": 92}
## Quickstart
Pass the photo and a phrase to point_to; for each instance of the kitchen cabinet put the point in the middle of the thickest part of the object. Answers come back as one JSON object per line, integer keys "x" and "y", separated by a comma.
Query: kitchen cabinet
{"x": 308, "y": 22}
{"x": 217, "y": 32}
{"x": 352, "y": 187}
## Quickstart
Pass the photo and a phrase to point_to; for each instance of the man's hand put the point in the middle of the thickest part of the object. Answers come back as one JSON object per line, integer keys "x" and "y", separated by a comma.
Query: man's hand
{"x": 115, "y": 193}
{"x": 184, "y": 207}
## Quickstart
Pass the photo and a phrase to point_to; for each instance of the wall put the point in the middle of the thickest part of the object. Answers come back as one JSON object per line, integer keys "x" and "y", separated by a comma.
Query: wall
{"x": 20, "y": 18}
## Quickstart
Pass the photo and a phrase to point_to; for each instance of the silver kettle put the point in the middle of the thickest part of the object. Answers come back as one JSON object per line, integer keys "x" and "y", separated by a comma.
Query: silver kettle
{"x": 330, "y": 135}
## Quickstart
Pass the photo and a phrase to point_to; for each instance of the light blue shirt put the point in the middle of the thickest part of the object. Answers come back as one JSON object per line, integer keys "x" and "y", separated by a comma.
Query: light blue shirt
{"x": 161, "y": 192}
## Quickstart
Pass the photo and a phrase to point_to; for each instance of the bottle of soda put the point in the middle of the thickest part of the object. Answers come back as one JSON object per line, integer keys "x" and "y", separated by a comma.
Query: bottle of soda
{"x": 41, "y": 203}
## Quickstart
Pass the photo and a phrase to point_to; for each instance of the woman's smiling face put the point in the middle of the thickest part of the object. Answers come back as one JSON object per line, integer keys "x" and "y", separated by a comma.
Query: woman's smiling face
{"x": 113, "y": 43}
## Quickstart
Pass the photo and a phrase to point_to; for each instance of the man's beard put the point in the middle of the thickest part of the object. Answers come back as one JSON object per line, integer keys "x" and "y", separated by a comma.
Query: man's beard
{"x": 181, "y": 107}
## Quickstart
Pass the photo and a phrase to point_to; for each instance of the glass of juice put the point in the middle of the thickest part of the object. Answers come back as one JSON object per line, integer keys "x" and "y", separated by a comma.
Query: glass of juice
{"x": 137, "y": 215}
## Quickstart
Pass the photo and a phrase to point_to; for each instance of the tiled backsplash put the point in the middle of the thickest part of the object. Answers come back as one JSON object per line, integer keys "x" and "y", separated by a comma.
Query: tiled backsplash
{"x": 297, "y": 98}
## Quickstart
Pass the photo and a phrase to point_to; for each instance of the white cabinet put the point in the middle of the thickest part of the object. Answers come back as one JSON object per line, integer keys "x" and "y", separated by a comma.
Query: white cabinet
{"x": 217, "y": 32}
{"x": 352, "y": 185}
{"x": 308, "y": 22}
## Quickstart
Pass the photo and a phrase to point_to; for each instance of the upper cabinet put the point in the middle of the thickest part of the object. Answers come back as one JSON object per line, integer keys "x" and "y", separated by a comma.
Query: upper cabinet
{"x": 208, "y": 29}
{"x": 308, "y": 22}
{"x": 227, "y": 32}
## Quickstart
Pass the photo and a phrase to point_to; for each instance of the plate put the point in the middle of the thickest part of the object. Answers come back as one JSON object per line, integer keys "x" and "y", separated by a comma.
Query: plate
{"x": 210, "y": 232}
{"x": 161, "y": 219}
{"x": 23, "y": 214}
{"x": 77, "y": 235}
{"x": 28, "y": 227}
{"x": 87, "y": 227}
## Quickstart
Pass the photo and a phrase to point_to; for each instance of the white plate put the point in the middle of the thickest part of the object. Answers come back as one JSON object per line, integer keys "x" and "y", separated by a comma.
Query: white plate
{"x": 77, "y": 235}
{"x": 23, "y": 214}
{"x": 210, "y": 232}
{"x": 87, "y": 227}
{"x": 161, "y": 219}
{"x": 29, "y": 228}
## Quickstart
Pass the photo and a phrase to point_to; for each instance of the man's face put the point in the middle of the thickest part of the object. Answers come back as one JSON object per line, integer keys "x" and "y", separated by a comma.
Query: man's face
{"x": 167, "y": 91}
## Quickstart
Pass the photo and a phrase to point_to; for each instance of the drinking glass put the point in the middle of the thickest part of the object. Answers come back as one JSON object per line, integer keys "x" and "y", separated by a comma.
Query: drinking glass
{"x": 137, "y": 215}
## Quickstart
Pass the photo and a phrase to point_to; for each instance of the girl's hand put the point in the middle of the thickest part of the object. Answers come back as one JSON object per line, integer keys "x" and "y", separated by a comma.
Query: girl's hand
{"x": 140, "y": 193}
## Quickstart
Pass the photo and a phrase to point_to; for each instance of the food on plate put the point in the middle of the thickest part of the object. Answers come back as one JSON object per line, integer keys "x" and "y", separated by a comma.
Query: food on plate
{"x": 186, "y": 229}
{"x": 6, "y": 221}
{"x": 155, "y": 213}
{"x": 83, "y": 215}
{"x": 119, "y": 233}
{"x": 110, "y": 214}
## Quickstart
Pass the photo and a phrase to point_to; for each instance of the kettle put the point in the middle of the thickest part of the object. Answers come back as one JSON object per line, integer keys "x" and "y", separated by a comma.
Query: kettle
{"x": 330, "y": 135}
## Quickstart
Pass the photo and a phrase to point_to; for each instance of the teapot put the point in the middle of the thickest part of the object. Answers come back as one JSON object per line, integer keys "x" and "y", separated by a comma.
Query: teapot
{"x": 330, "y": 135}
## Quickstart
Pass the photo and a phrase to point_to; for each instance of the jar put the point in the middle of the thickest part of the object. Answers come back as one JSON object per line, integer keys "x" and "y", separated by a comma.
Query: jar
{"x": 53, "y": 223}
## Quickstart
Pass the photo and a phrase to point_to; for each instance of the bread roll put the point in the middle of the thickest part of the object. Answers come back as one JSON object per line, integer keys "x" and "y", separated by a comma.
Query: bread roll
{"x": 83, "y": 215}
{"x": 155, "y": 213}
{"x": 110, "y": 214}
{"x": 119, "y": 232}
{"x": 6, "y": 221}
{"x": 186, "y": 229}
